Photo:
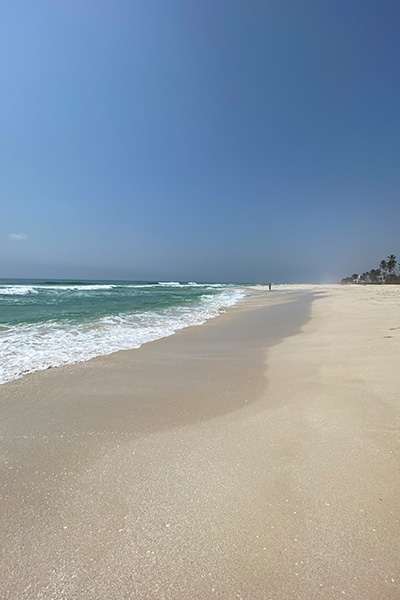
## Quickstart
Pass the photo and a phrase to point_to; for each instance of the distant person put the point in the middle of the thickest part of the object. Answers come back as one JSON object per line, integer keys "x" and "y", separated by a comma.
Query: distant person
{"x": 270, "y": 286}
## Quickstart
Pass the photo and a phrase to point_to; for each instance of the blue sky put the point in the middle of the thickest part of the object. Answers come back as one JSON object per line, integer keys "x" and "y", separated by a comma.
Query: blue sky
{"x": 209, "y": 140}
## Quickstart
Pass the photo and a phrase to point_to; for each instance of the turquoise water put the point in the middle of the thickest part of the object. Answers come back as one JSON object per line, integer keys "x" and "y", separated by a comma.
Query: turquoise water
{"x": 50, "y": 323}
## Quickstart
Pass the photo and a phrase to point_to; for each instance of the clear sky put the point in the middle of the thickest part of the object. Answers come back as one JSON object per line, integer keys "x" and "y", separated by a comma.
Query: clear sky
{"x": 199, "y": 139}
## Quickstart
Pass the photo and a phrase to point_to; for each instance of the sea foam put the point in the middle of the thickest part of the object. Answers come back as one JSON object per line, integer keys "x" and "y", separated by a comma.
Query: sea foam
{"x": 29, "y": 347}
{"x": 17, "y": 290}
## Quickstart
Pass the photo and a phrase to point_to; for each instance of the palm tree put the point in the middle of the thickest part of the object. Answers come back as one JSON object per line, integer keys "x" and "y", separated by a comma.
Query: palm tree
{"x": 384, "y": 268}
{"x": 391, "y": 263}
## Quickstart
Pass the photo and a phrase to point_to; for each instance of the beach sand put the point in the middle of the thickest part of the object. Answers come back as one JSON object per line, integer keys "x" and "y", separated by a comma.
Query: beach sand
{"x": 254, "y": 457}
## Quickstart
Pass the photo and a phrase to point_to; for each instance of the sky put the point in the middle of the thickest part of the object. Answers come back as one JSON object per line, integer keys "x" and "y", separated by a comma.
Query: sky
{"x": 212, "y": 140}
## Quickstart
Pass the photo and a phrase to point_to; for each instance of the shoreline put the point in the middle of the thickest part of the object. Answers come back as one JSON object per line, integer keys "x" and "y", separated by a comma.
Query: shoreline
{"x": 226, "y": 308}
{"x": 252, "y": 457}
{"x": 214, "y": 340}
{"x": 108, "y": 326}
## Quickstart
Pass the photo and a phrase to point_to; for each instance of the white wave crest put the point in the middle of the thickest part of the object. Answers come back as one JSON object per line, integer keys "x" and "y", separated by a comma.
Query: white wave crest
{"x": 169, "y": 283}
{"x": 77, "y": 288}
{"x": 17, "y": 290}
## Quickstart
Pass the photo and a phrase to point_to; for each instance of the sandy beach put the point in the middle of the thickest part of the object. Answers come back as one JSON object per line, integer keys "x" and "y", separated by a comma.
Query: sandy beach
{"x": 253, "y": 457}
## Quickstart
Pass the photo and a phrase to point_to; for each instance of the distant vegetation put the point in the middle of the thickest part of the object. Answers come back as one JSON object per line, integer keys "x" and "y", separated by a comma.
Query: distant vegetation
{"x": 388, "y": 272}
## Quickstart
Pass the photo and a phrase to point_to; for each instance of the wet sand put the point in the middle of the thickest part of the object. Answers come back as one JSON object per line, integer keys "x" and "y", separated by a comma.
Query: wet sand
{"x": 253, "y": 457}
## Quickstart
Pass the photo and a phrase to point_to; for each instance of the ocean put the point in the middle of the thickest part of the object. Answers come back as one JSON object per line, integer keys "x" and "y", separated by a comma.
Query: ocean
{"x": 50, "y": 323}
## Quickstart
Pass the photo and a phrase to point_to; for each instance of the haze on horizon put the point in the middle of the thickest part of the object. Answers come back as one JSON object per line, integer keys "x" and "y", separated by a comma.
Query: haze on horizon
{"x": 209, "y": 141}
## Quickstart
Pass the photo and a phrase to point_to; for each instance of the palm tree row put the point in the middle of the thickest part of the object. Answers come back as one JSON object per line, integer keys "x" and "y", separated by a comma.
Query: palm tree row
{"x": 388, "y": 272}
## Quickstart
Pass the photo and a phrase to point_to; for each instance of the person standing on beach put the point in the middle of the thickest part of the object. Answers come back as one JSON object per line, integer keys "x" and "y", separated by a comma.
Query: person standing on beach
{"x": 270, "y": 286}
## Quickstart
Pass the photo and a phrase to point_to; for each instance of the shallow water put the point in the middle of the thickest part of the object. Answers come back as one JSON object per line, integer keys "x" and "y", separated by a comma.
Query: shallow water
{"x": 50, "y": 323}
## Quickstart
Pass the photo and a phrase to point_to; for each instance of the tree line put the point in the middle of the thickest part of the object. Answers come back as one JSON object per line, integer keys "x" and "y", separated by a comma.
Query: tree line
{"x": 388, "y": 272}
